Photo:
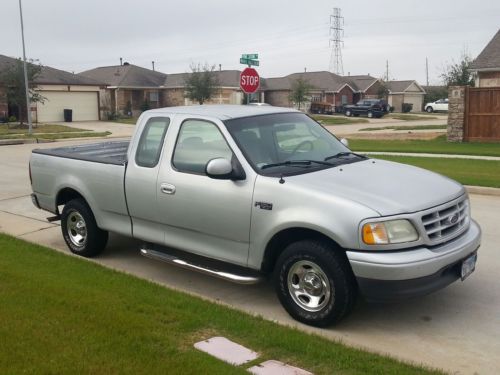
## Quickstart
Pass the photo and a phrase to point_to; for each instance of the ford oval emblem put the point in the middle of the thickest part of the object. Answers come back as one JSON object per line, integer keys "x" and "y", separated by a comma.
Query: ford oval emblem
{"x": 454, "y": 218}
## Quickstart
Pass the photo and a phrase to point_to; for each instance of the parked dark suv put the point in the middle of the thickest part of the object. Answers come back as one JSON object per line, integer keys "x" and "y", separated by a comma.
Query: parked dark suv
{"x": 369, "y": 107}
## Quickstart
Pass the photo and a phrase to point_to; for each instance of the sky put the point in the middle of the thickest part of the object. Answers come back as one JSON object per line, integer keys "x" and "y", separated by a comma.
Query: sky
{"x": 288, "y": 35}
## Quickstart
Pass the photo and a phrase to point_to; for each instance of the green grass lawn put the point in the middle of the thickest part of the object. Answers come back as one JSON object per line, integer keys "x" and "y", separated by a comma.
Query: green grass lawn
{"x": 339, "y": 120}
{"x": 412, "y": 127}
{"x": 126, "y": 120}
{"x": 410, "y": 117}
{"x": 56, "y": 135}
{"x": 60, "y": 314}
{"x": 465, "y": 171}
{"x": 438, "y": 145}
{"x": 37, "y": 129}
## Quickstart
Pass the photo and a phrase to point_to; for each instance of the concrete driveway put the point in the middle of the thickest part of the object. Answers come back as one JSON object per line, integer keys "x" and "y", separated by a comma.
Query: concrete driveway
{"x": 456, "y": 329}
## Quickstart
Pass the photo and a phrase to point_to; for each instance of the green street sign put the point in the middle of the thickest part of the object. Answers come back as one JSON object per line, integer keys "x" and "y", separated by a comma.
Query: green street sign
{"x": 249, "y": 62}
{"x": 252, "y": 56}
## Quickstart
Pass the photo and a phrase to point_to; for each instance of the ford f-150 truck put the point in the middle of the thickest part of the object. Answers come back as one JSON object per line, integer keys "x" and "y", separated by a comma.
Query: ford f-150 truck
{"x": 245, "y": 192}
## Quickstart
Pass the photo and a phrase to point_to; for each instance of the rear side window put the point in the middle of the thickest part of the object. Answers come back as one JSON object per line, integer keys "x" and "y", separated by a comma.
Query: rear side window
{"x": 151, "y": 142}
{"x": 198, "y": 142}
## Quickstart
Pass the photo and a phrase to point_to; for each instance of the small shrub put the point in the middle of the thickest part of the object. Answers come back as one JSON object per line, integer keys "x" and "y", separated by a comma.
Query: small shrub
{"x": 407, "y": 107}
{"x": 111, "y": 116}
{"x": 145, "y": 105}
{"x": 12, "y": 119}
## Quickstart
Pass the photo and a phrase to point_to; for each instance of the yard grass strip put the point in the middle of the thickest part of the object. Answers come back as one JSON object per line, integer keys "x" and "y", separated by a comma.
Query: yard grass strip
{"x": 89, "y": 134}
{"x": 411, "y": 127}
{"x": 126, "y": 120}
{"x": 439, "y": 145}
{"x": 61, "y": 314}
{"x": 466, "y": 171}
{"x": 410, "y": 117}
{"x": 339, "y": 120}
{"x": 37, "y": 129}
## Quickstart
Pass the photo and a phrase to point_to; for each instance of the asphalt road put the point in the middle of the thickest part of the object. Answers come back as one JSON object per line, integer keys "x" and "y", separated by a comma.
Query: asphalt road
{"x": 456, "y": 329}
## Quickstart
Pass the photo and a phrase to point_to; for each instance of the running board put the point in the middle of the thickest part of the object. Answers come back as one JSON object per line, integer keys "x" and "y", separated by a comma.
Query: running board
{"x": 238, "y": 278}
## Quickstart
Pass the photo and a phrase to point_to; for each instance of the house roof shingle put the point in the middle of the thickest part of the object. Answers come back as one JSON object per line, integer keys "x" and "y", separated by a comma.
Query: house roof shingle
{"x": 489, "y": 58}
{"x": 53, "y": 76}
{"x": 126, "y": 75}
{"x": 322, "y": 80}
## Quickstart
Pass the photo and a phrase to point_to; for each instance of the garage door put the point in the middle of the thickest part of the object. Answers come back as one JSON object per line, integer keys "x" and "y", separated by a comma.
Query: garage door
{"x": 83, "y": 104}
{"x": 416, "y": 100}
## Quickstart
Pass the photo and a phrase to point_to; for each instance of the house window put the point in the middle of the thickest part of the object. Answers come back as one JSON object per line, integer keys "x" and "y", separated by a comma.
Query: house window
{"x": 344, "y": 99}
{"x": 153, "y": 96}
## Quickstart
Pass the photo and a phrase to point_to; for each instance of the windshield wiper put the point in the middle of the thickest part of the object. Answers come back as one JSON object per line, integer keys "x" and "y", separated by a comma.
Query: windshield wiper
{"x": 345, "y": 153}
{"x": 296, "y": 163}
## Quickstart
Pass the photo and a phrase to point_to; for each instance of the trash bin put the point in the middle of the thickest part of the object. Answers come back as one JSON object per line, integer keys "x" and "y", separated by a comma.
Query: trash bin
{"x": 68, "y": 115}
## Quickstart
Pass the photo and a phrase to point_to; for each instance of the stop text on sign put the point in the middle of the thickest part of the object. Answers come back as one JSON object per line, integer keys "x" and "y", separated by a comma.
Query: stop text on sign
{"x": 249, "y": 80}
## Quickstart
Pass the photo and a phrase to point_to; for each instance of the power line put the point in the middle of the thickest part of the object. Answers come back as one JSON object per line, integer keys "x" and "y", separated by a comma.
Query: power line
{"x": 336, "y": 42}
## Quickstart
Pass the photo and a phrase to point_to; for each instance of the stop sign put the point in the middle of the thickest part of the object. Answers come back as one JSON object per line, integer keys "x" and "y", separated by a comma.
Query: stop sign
{"x": 249, "y": 80}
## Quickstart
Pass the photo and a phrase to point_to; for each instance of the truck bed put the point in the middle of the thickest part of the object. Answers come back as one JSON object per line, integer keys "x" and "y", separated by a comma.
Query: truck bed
{"x": 104, "y": 152}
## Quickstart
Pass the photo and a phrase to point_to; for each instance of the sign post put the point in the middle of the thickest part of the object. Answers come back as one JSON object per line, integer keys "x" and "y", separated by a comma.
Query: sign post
{"x": 249, "y": 78}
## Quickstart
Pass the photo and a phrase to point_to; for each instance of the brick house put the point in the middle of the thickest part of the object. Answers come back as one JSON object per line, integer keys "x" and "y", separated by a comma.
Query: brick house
{"x": 327, "y": 88}
{"x": 405, "y": 92}
{"x": 61, "y": 90}
{"x": 487, "y": 64}
{"x": 130, "y": 88}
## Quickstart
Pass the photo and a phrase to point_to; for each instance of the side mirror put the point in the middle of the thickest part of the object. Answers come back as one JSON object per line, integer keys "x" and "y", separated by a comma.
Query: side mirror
{"x": 345, "y": 142}
{"x": 222, "y": 169}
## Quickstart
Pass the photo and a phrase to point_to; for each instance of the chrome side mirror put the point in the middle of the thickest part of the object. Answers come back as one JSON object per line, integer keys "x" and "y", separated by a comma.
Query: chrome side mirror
{"x": 222, "y": 169}
{"x": 345, "y": 142}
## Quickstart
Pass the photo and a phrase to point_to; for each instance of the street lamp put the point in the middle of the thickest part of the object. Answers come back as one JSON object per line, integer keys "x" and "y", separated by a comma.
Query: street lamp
{"x": 26, "y": 85}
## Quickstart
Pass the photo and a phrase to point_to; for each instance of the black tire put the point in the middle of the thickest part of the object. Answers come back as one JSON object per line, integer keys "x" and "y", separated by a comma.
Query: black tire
{"x": 339, "y": 277}
{"x": 429, "y": 109}
{"x": 348, "y": 113}
{"x": 87, "y": 240}
{"x": 369, "y": 114}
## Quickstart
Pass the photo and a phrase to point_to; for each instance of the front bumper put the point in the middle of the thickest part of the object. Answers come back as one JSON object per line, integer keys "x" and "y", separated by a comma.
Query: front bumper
{"x": 400, "y": 274}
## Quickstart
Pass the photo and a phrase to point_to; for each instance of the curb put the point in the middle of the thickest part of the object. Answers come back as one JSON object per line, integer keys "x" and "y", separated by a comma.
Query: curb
{"x": 482, "y": 190}
{"x": 9, "y": 142}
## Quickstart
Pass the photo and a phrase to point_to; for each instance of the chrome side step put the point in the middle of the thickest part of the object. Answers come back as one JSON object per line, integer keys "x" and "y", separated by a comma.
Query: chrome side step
{"x": 229, "y": 276}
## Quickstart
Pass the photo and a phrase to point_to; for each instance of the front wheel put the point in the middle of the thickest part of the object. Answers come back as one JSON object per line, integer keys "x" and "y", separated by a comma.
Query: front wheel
{"x": 315, "y": 283}
{"x": 429, "y": 110}
{"x": 348, "y": 113}
{"x": 80, "y": 230}
{"x": 370, "y": 114}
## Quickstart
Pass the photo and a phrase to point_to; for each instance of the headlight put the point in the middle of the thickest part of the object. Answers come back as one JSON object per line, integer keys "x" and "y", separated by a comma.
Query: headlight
{"x": 389, "y": 232}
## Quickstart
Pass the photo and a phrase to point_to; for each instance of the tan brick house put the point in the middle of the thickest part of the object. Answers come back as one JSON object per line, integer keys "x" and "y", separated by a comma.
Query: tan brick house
{"x": 405, "y": 92}
{"x": 487, "y": 64}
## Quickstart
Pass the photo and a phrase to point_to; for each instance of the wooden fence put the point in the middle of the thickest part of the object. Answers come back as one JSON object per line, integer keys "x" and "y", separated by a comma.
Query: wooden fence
{"x": 482, "y": 114}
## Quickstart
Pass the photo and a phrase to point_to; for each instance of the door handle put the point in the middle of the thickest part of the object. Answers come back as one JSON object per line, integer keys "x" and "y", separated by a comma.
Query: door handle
{"x": 167, "y": 188}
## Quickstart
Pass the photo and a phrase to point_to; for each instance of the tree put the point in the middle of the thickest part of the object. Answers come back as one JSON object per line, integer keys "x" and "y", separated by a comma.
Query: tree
{"x": 458, "y": 74}
{"x": 301, "y": 92}
{"x": 13, "y": 79}
{"x": 202, "y": 83}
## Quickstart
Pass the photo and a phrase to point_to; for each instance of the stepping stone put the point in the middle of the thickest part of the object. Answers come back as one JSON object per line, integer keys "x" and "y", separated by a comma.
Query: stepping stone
{"x": 273, "y": 367}
{"x": 226, "y": 350}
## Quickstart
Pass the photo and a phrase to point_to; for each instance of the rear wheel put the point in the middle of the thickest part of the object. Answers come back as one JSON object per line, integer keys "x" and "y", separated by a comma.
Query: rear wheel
{"x": 80, "y": 230}
{"x": 429, "y": 109}
{"x": 314, "y": 283}
{"x": 348, "y": 113}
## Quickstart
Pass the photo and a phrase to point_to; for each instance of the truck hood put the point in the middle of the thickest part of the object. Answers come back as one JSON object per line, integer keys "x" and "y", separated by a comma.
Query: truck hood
{"x": 386, "y": 187}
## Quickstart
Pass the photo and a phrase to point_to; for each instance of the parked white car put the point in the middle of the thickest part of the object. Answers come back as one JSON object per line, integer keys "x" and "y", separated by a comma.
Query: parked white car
{"x": 438, "y": 105}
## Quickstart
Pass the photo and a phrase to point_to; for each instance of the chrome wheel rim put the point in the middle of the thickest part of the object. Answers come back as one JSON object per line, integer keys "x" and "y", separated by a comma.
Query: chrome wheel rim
{"x": 308, "y": 286}
{"x": 77, "y": 229}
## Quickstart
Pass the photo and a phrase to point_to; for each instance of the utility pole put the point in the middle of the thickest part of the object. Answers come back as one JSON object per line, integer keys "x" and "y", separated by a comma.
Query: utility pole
{"x": 336, "y": 42}
{"x": 153, "y": 63}
{"x": 427, "y": 71}
{"x": 387, "y": 70}
{"x": 26, "y": 84}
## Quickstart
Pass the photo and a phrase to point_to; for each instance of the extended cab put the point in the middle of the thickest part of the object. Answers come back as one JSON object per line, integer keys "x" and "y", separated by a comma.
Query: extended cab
{"x": 242, "y": 192}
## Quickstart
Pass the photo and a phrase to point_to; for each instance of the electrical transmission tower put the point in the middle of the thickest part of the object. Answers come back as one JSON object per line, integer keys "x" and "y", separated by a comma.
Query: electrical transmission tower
{"x": 336, "y": 42}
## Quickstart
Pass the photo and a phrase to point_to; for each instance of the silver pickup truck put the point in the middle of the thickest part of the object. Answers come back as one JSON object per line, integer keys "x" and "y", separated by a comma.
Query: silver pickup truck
{"x": 245, "y": 192}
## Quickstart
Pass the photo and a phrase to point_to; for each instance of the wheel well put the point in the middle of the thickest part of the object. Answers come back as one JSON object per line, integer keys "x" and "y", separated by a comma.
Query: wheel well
{"x": 284, "y": 238}
{"x": 67, "y": 194}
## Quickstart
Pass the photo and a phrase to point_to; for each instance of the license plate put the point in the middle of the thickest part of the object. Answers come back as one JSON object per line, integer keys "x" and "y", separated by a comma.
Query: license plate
{"x": 468, "y": 266}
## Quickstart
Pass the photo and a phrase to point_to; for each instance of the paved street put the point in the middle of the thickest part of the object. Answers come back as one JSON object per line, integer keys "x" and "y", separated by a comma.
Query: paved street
{"x": 457, "y": 329}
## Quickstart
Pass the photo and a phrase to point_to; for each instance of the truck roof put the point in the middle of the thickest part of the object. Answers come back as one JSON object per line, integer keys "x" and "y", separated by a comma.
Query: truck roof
{"x": 224, "y": 111}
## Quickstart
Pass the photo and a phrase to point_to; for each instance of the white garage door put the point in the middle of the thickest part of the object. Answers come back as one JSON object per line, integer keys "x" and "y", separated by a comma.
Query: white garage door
{"x": 83, "y": 104}
{"x": 416, "y": 100}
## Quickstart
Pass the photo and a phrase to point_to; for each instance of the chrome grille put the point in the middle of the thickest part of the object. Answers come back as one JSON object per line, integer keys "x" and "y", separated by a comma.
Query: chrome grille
{"x": 446, "y": 222}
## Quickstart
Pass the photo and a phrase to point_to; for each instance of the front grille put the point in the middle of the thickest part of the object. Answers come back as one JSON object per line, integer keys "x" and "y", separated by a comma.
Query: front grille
{"x": 446, "y": 221}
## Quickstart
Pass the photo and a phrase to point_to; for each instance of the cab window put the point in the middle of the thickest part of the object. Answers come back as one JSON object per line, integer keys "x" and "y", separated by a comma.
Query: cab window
{"x": 151, "y": 141}
{"x": 198, "y": 142}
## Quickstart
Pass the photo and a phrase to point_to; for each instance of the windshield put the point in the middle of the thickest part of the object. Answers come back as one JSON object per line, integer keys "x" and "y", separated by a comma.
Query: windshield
{"x": 287, "y": 143}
